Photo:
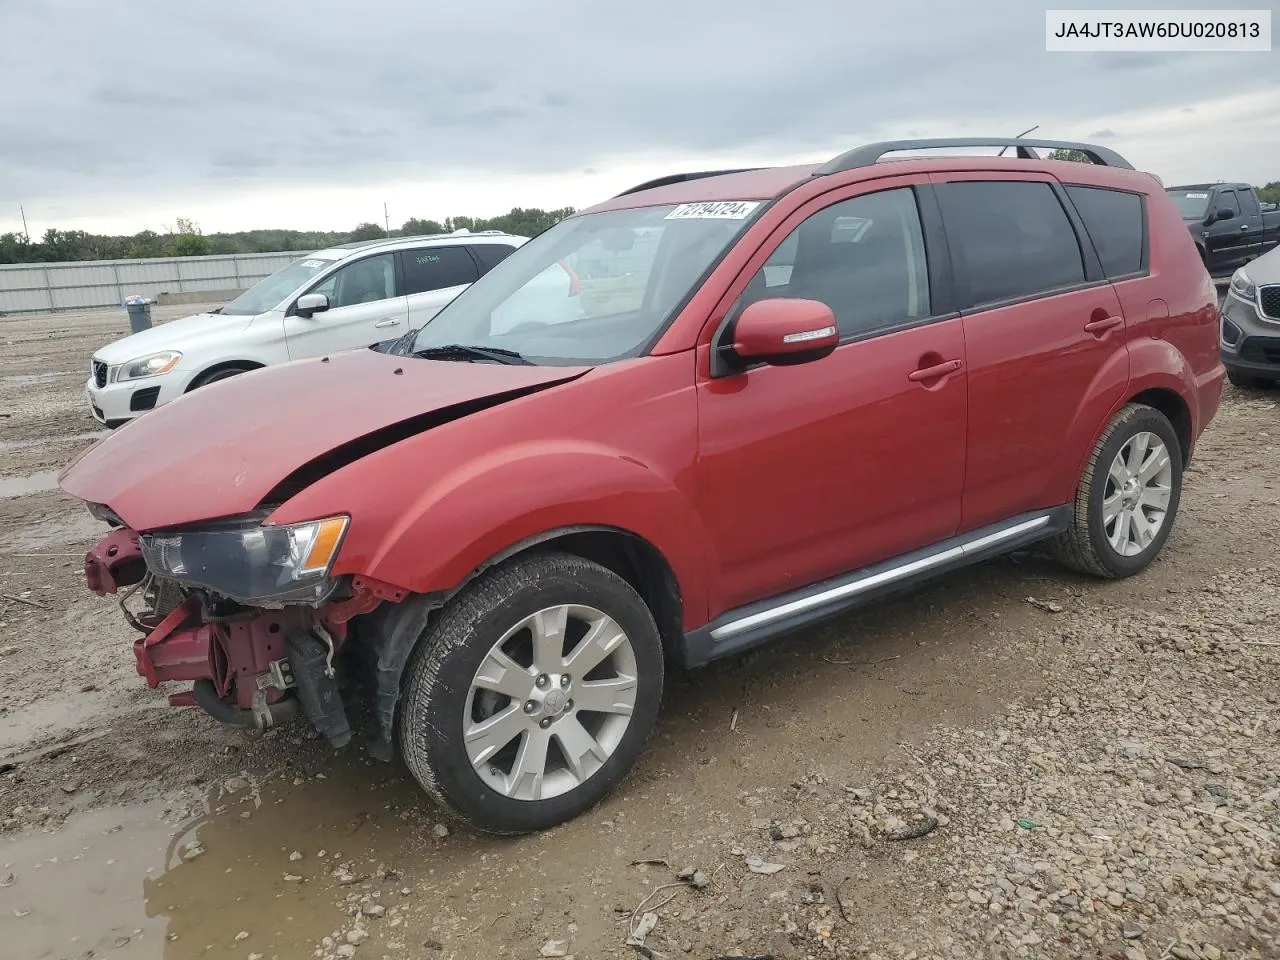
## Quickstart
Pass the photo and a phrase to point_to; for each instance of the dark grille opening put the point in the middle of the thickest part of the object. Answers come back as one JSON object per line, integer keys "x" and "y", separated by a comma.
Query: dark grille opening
{"x": 144, "y": 399}
{"x": 99, "y": 373}
{"x": 1261, "y": 350}
{"x": 1269, "y": 300}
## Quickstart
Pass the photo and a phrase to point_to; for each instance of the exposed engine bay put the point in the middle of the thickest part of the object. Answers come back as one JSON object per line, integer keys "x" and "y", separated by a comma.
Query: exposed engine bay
{"x": 248, "y": 666}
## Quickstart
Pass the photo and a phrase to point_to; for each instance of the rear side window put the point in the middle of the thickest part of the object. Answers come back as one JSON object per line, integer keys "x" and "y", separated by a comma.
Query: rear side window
{"x": 436, "y": 268}
{"x": 1011, "y": 238}
{"x": 1116, "y": 222}
{"x": 491, "y": 254}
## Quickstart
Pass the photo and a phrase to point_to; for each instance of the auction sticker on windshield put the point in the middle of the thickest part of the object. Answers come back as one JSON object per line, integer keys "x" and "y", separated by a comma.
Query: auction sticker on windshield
{"x": 714, "y": 210}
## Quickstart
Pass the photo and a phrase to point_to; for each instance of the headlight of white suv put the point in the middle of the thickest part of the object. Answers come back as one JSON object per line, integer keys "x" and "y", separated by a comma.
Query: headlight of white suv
{"x": 150, "y": 366}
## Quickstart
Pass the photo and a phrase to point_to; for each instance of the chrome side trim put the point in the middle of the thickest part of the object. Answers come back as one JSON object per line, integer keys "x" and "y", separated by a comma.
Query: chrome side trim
{"x": 872, "y": 580}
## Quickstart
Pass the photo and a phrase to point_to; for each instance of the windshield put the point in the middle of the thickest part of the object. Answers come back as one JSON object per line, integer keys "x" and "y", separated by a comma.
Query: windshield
{"x": 269, "y": 292}
{"x": 593, "y": 288}
{"x": 1192, "y": 204}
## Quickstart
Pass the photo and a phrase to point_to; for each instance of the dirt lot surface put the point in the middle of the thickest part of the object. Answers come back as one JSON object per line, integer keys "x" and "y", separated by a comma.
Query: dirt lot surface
{"x": 1011, "y": 762}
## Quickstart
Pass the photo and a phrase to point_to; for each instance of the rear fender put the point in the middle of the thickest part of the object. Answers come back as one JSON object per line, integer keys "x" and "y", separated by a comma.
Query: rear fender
{"x": 1103, "y": 397}
{"x": 1152, "y": 365}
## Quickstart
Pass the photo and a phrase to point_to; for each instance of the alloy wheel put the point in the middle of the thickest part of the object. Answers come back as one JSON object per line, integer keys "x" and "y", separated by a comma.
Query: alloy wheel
{"x": 550, "y": 702}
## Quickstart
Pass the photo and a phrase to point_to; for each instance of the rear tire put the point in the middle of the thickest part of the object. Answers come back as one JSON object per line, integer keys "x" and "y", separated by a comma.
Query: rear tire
{"x": 496, "y": 694}
{"x": 1128, "y": 497}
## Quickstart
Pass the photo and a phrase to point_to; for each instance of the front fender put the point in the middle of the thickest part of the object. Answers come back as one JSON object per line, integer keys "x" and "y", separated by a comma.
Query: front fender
{"x": 447, "y": 532}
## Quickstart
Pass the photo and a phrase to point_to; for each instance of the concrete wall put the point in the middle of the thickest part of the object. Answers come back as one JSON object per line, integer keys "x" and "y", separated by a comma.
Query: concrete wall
{"x": 37, "y": 287}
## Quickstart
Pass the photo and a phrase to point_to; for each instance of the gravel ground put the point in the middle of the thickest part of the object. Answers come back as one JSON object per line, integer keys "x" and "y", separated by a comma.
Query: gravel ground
{"x": 1010, "y": 762}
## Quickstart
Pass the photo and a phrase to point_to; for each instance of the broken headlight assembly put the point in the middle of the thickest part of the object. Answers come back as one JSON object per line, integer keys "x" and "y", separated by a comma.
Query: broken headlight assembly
{"x": 253, "y": 563}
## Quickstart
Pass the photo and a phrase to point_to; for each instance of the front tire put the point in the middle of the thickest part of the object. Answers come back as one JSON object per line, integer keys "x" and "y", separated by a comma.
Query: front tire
{"x": 207, "y": 378}
{"x": 532, "y": 694}
{"x": 1128, "y": 497}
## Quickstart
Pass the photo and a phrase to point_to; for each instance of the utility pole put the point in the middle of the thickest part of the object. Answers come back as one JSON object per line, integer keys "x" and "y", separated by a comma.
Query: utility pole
{"x": 26, "y": 236}
{"x": 386, "y": 217}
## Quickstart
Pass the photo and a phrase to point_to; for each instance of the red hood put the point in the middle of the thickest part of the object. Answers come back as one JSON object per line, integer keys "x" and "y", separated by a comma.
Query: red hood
{"x": 218, "y": 451}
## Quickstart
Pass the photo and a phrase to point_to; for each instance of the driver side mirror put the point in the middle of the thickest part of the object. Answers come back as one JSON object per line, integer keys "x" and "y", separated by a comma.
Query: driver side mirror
{"x": 783, "y": 332}
{"x": 1222, "y": 213}
{"x": 309, "y": 304}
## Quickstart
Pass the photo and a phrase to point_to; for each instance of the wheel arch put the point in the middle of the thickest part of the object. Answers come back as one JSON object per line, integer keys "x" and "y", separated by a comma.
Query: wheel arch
{"x": 393, "y": 631}
{"x": 1176, "y": 411}
{"x": 242, "y": 365}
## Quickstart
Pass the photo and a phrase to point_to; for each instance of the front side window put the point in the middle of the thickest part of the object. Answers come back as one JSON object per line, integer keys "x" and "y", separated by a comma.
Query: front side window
{"x": 364, "y": 281}
{"x": 863, "y": 257}
{"x": 1227, "y": 200}
{"x": 1013, "y": 238}
{"x": 437, "y": 268}
{"x": 594, "y": 288}
{"x": 272, "y": 291}
{"x": 1116, "y": 223}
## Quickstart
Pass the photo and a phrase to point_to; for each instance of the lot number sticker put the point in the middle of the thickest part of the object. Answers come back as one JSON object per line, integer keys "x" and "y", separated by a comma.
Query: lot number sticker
{"x": 716, "y": 210}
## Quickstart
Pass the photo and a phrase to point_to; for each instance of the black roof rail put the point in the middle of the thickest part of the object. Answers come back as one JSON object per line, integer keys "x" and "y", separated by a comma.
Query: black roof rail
{"x": 681, "y": 178}
{"x": 871, "y": 153}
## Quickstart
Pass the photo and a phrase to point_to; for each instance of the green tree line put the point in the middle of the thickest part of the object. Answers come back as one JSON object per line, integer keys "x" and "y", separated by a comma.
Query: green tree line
{"x": 187, "y": 240}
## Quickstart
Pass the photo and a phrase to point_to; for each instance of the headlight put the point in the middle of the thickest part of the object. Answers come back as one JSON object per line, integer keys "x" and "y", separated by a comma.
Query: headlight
{"x": 253, "y": 563}
{"x": 152, "y": 366}
{"x": 1243, "y": 287}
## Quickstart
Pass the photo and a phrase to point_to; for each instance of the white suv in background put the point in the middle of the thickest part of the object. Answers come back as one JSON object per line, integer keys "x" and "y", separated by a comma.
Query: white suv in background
{"x": 343, "y": 298}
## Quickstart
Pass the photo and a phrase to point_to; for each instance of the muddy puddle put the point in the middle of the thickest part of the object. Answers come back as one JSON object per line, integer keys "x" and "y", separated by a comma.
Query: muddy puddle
{"x": 247, "y": 867}
{"x": 29, "y": 484}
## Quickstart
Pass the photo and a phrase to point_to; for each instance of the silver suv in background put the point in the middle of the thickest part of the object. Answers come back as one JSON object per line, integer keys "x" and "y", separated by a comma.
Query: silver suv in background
{"x": 342, "y": 298}
{"x": 1250, "y": 338}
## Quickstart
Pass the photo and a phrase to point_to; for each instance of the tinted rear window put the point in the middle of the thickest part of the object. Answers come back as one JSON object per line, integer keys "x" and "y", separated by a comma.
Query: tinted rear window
{"x": 491, "y": 254}
{"x": 1115, "y": 220}
{"x": 435, "y": 268}
{"x": 1012, "y": 237}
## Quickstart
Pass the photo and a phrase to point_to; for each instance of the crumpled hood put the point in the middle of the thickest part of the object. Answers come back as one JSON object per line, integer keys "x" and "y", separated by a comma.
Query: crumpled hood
{"x": 218, "y": 451}
{"x": 175, "y": 335}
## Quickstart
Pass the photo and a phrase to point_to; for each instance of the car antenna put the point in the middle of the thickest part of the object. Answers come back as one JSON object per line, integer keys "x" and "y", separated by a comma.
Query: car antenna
{"x": 1018, "y": 137}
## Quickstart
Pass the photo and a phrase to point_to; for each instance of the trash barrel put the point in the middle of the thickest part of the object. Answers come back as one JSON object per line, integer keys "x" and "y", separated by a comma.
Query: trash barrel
{"x": 139, "y": 313}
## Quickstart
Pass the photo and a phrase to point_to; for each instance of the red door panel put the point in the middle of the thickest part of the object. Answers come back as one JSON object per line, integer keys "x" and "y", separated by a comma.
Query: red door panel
{"x": 809, "y": 471}
{"x": 1036, "y": 370}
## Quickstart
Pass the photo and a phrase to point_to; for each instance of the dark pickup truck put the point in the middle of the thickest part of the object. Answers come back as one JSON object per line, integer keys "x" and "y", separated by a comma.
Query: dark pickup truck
{"x": 1227, "y": 222}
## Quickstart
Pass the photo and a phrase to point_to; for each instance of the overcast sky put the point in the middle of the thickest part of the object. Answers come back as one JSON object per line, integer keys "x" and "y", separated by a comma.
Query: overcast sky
{"x": 278, "y": 113}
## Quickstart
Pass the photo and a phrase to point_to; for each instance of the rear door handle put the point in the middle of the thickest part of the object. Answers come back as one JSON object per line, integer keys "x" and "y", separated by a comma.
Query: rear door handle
{"x": 1104, "y": 324}
{"x": 932, "y": 373}
{"x": 389, "y": 322}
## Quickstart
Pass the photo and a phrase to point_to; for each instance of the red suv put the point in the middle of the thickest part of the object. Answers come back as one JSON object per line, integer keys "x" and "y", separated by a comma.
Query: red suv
{"x": 782, "y": 392}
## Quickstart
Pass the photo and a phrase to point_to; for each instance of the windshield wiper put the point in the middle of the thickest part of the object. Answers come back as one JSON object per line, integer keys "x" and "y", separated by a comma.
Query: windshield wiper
{"x": 496, "y": 354}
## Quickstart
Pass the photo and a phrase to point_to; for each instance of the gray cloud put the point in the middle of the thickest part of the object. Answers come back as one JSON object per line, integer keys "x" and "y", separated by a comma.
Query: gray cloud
{"x": 188, "y": 99}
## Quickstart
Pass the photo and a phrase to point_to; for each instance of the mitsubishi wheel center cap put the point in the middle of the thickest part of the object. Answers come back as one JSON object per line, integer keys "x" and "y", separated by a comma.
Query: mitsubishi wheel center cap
{"x": 554, "y": 701}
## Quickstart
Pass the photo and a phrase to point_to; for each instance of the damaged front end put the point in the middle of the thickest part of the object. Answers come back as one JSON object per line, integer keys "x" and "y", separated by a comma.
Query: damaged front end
{"x": 247, "y": 614}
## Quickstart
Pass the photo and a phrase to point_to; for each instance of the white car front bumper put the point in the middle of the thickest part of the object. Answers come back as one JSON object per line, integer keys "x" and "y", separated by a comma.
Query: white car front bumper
{"x": 117, "y": 403}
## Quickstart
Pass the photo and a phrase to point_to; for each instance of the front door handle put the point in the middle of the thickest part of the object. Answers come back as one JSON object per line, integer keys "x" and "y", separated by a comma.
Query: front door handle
{"x": 1103, "y": 324}
{"x": 389, "y": 322}
{"x": 1244, "y": 226}
{"x": 935, "y": 371}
